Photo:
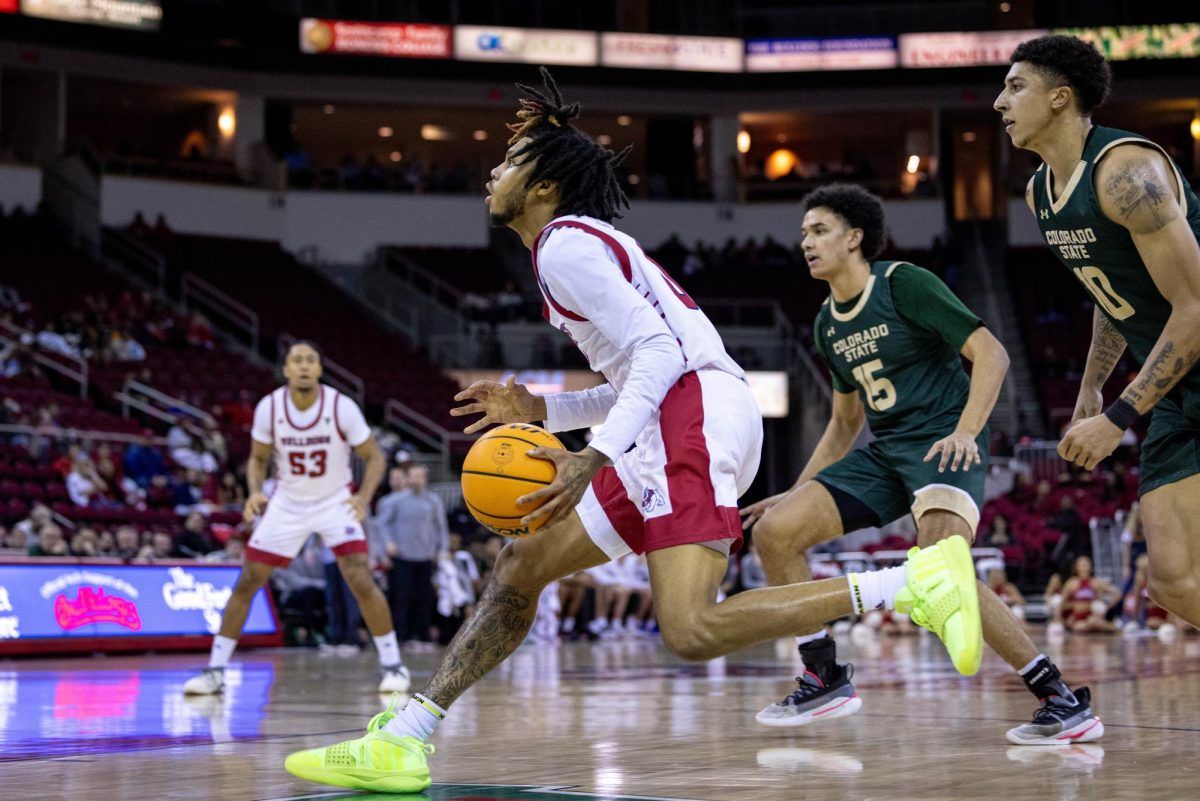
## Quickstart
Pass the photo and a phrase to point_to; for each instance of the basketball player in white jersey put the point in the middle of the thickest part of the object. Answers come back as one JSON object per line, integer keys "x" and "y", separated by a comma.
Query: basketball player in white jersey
{"x": 678, "y": 444}
{"x": 311, "y": 429}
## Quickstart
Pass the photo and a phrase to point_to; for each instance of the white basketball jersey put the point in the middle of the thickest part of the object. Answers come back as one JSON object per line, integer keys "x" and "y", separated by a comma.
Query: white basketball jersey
{"x": 312, "y": 447}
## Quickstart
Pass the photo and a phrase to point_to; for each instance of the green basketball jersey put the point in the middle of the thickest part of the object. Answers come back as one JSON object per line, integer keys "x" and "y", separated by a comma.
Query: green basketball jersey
{"x": 910, "y": 379}
{"x": 1101, "y": 253}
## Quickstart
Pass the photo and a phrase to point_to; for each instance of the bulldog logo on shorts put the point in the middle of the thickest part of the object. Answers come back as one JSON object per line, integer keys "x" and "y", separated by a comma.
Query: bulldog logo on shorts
{"x": 651, "y": 499}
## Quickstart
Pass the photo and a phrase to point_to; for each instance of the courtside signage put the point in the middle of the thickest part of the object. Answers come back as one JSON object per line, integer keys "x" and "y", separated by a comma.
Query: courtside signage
{"x": 1125, "y": 42}
{"x": 964, "y": 49}
{"x": 657, "y": 52}
{"x": 143, "y": 15}
{"x": 804, "y": 55}
{"x": 388, "y": 40}
{"x": 39, "y": 601}
{"x": 525, "y": 45}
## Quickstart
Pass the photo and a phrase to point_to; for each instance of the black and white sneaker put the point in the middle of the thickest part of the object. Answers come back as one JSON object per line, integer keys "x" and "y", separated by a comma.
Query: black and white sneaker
{"x": 815, "y": 699}
{"x": 1059, "y": 722}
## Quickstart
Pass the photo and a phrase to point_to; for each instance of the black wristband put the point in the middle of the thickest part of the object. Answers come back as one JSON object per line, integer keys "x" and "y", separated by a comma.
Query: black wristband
{"x": 1122, "y": 414}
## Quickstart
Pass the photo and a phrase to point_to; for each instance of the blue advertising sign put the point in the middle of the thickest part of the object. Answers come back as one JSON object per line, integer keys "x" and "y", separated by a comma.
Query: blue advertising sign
{"x": 801, "y": 55}
{"x": 79, "y": 600}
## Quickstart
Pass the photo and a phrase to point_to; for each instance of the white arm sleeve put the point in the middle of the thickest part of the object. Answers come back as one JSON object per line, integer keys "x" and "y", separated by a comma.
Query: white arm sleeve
{"x": 581, "y": 270}
{"x": 262, "y": 430}
{"x": 350, "y": 421}
{"x": 567, "y": 411}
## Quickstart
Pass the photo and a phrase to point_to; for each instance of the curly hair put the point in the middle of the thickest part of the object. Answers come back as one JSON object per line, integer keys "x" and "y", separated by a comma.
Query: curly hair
{"x": 859, "y": 208}
{"x": 586, "y": 173}
{"x": 1071, "y": 61}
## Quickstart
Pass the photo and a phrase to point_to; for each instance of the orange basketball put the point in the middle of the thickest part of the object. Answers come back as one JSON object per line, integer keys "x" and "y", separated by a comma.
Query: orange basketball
{"x": 497, "y": 472}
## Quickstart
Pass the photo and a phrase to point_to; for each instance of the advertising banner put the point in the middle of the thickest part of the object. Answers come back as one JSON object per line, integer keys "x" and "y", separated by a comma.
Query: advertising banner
{"x": 139, "y": 14}
{"x": 803, "y": 55}
{"x": 1126, "y": 42}
{"x": 656, "y": 52}
{"x": 965, "y": 49}
{"x": 81, "y": 600}
{"x": 8, "y": 6}
{"x": 525, "y": 45}
{"x": 389, "y": 40}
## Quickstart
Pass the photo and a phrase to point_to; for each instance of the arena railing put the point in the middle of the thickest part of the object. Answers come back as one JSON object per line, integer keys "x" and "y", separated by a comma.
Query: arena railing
{"x": 426, "y": 431}
{"x": 74, "y": 368}
{"x": 145, "y": 398}
{"x": 200, "y": 294}
{"x": 136, "y": 256}
{"x": 66, "y": 433}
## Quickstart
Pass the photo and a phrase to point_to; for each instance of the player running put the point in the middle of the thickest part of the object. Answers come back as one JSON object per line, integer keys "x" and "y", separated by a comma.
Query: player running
{"x": 893, "y": 337}
{"x": 1118, "y": 214}
{"x": 311, "y": 429}
{"x": 679, "y": 443}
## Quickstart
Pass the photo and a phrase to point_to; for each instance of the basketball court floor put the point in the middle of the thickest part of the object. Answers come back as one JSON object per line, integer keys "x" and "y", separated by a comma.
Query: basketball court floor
{"x": 611, "y": 720}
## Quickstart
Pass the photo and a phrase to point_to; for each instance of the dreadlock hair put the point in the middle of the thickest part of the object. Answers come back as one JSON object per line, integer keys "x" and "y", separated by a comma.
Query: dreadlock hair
{"x": 1071, "y": 61}
{"x": 584, "y": 171}
{"x": 859, "y": 208}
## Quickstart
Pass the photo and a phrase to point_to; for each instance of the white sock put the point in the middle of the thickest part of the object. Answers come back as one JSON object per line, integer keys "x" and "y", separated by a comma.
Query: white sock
{"x": 418, "y": 718}
{"x": 388, "y": 648}
{"x": 1025, "y": 671}
{"x": 222, "y": 649}
{"x": 812, "y": 637}
{"x": 877, "y": 588}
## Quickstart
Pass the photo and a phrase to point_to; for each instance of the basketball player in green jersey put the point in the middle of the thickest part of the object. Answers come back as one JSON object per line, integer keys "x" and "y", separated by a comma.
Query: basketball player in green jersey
{"x": 893, "y": 336}
{"x": 1117, "y": 213}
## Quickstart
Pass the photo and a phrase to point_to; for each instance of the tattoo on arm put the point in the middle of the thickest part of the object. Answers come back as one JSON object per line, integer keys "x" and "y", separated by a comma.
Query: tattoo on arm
{"x": 501, "y": 621}
{"x": 1107, "y": 347}
{"x": 1141, "y": 197}
{"x": 1161, "y": 372}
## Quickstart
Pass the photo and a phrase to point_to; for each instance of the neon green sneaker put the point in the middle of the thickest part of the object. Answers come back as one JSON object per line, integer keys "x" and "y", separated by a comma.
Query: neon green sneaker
{"x": 941, "y": 596}
{"x": 380, "y": 761}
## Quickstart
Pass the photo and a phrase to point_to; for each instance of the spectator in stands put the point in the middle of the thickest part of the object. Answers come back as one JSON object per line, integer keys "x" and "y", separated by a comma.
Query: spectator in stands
{"x": 162, "y": 546}
{"x": 138, "y": 227}
{"x": 200, "y": 332}
{"x": 39, "y": 516}
{"x": 142, "y": 461}
{"x": 999, "y": 534}
{"x": 213, "y": 442}
{"x": 1086, "y": 599}
{"x": 230, "y": 492}
{"x": 13, "y": 541}
{"x": 50, "y": 542}
{"x": 183, "y": 443}
{"x": 753, "y": 575}
{"x": 997, "y": 580}
{"x": 85, "y": 487}
{"x": 106, "y": 544}
{"x": 1076, "y": 538}
{"x": 195, "y": 540}
{"x": 234, "y": 550}
{"x": 85, "y": 542}
{"x": 188, "y": 490}
{"x": 11, "y": 300}
{"x": 509, "y": 302}
{"x": 411, "y": 523}
{"x": 128, "y": 544}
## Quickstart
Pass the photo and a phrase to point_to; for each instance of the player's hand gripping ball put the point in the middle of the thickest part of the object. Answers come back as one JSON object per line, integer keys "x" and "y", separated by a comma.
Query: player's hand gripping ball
{"x": 497, "y": 472}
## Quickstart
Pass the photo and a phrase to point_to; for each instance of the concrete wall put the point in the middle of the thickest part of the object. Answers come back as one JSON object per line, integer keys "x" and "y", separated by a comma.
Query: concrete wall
{"x": 20, "y": 186}
{"x": 344, "y": 226}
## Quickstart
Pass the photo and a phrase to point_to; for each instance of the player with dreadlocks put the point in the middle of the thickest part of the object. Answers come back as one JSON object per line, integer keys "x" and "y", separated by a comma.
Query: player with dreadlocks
{"x": 678, "y": 443}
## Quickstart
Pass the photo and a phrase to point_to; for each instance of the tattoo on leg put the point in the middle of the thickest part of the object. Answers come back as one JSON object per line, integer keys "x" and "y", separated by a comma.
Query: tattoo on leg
{"x": 501, "y": 621}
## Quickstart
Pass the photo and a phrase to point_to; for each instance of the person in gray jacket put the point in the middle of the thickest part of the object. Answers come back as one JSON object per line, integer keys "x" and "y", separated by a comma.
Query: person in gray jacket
{"x": 411, "y": 525}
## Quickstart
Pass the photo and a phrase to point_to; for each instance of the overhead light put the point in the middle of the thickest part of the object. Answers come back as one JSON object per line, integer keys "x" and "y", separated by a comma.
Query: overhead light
{"x": 385, "y": 132}
{"x": 634, "y": 180}
{"x": 479, "y": 135}
{"x": 969, "y": 136}
{"x": 914, "y": 163}
{"x": 743, "y": 141}
{"x": 780, "y": 163}
{"x": 395, "y": 155}
{"x": 1005, "y": 8}
{"x": 781, "y": 138}
{"x": 1195, "y": 127}
{"x": 328, "y": 108}
{"x": 226, "y": 122}
{"x": 436, "y": 133}
{"x": 604, "y": 139}
{"x": 624, "y": 120}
